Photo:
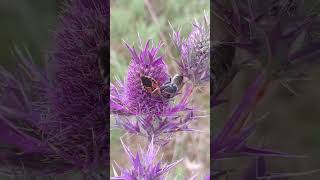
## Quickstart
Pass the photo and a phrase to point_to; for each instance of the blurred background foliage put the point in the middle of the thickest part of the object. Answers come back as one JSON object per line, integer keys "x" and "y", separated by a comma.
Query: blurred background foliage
{"x": 150, "y": 19}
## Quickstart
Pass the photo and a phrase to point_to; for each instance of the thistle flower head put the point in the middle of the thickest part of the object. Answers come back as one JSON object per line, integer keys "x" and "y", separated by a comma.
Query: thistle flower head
{"x": 62, "y": 112}
{"x": 146, "y": 64}
{"x": 194, "y": 61}
{"x": 155, "y": 115}
{"x": 144, "y": 165}
{"x": 132, "y": 96}
{"x": 77, "y": 122}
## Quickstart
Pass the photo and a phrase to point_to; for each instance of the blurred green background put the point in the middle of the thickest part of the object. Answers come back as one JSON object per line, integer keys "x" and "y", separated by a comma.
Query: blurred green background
{"x": 150, "y": 19}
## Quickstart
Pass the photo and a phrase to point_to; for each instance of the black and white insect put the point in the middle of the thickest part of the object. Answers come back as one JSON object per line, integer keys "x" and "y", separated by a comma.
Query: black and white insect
{"x": 170, "y": 89}
{"x": 167, "y": 90}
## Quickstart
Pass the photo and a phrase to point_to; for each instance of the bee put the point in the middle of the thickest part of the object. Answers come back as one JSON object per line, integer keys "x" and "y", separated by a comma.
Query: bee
{"x": 150, "y": 85}
{"x": 103, "y": 62}
{"x": 170, "y": 89}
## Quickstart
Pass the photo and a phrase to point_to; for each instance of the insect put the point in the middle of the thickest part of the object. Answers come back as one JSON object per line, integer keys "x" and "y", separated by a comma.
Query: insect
{"x": 103, "y": 62}
{"x": 169, "y": 89}
{"x": 150, "y": 85}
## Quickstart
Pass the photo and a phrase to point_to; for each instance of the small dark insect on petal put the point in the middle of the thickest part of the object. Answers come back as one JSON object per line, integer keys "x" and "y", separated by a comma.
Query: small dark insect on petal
{"x": 103, "y": 61}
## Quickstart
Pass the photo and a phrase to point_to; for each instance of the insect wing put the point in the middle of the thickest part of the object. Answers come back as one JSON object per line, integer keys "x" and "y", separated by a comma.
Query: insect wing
{"x": 178, "y": 81}
{"x": 150, "y": 85}
{"x": 146, "y": 81}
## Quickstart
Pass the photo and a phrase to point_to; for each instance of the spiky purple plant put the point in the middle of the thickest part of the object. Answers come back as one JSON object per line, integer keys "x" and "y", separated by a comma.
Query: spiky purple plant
{"x": 77, "y": 123}
{"x": 275, "y": 40}
{"x": 139, "y": 111}
{"x": 144, "y": 165}
{"x": 55, "y": 120}
{"x": 194, "y": 60}
{"x": 131, "y": 98}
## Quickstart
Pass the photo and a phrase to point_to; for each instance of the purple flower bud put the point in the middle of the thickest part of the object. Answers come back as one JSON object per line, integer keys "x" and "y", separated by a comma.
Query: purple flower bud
{"x": 194, "y": 61}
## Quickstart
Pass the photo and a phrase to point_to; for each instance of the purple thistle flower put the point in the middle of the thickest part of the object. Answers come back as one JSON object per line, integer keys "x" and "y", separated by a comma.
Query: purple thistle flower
{"x": 78, "y": 120}
{"x": 131, "y": 98}
{"x": 144, "y": 165}
{"x": 155, "y": 115}
{"x": 194, "y": 61}
{"x": 61, "y": 117}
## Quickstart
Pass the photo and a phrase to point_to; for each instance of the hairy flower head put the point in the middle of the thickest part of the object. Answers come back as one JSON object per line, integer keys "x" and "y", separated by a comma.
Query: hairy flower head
{"x": 154, "y": 114}
{"x": 145, "y": 64}
{"x": 58, "y": 120}
{"x": 131, "y": 97}
{"x": 78, "y": 120}
{"x": 194, "y": 61}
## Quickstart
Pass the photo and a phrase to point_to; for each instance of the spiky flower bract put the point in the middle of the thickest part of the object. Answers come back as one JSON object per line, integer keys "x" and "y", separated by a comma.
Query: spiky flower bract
{"x": 144, "y": 165}
{"x": 159, "y": 127}
{"x": 194, "y": 61}
{"x": 57, "y": 121}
